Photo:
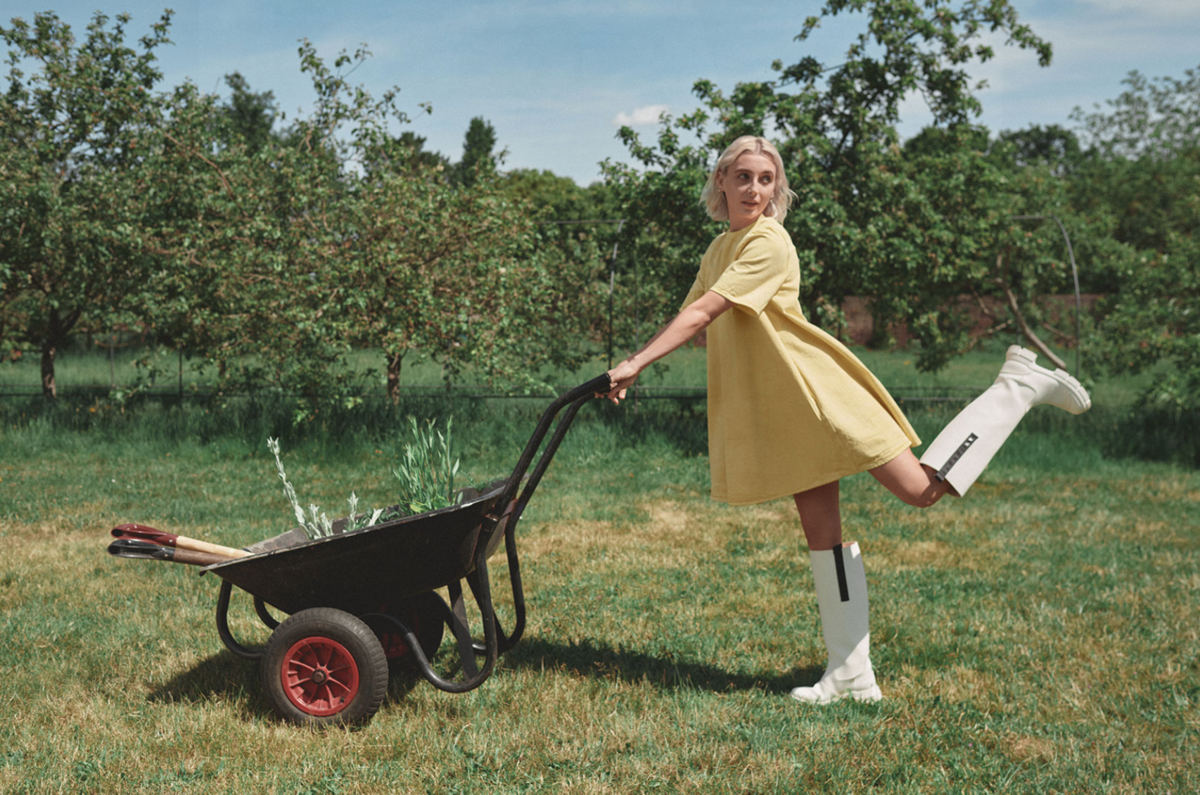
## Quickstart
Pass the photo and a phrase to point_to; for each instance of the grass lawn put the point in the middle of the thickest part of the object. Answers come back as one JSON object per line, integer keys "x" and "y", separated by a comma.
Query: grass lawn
{"x": 1039, "y": 636}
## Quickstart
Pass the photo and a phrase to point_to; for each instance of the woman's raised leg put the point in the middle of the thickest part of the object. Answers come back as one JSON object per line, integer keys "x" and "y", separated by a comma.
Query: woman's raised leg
{"x": 964, "y": 447}
{"x": 911, "y": 481}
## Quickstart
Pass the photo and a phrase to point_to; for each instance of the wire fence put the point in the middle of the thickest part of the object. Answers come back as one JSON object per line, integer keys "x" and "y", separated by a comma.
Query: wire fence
{"x": 902, "y": 394}
{"x": 109, "y": 374}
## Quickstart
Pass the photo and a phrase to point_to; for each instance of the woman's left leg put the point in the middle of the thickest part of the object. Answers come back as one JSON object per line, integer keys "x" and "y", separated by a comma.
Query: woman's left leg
{"x": 821, "y": 516}
{"x": 841, "y": 585}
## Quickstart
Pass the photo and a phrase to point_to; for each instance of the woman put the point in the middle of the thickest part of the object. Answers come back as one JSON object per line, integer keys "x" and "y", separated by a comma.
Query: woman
{"x": 792, "y": 410}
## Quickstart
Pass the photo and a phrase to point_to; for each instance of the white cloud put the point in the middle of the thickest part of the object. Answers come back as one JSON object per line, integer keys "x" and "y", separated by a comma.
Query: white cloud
{"x": 1156, "y": 8}
{"x": 641, "y": 117}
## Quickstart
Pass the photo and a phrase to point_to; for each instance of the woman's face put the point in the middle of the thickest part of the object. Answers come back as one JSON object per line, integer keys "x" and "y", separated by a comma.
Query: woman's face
{"x": 748, "y": 185}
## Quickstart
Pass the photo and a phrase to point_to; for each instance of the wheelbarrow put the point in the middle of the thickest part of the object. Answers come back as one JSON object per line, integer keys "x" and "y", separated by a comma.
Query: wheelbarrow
{"x": 364, "y": 602}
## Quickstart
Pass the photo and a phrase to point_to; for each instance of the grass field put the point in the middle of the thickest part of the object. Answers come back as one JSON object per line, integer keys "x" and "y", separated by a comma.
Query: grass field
{"x": 1039, "y": 636}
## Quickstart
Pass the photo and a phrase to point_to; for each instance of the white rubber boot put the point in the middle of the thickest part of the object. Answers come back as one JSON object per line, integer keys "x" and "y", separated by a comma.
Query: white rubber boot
{"x": 841, "y": 585}
{"x": 965, "y": 446}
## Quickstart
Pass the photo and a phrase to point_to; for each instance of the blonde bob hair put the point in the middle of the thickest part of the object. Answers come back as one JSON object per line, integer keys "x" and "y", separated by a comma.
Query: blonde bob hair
{"x": 714, "y": 200}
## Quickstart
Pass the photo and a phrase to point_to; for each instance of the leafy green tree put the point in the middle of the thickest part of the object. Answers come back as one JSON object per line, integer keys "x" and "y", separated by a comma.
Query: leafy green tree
{"x": 1142, "y": 170}
{"x": 1052, "y": 147}
{"x": 479, "y": 157}
{"x": 912, "y": 229}
{"x": 73, "y": 138}
{"x": 248, "y": 117}
{"x": 1142, "y": 158}
{"x": 418, "y": 158}
{"x": 443, "y": 268}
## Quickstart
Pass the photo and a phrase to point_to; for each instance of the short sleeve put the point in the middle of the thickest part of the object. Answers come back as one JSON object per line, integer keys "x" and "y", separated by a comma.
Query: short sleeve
{"x": 757, "y": 274}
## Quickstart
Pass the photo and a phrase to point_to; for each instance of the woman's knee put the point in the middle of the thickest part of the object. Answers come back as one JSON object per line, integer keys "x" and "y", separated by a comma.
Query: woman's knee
{"x": 923, "y": 499}
{"x": 913, "y": 482}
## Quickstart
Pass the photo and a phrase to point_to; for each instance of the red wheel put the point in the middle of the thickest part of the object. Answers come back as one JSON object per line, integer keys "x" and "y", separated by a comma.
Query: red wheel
{"x": 324, "y": 666}
{"x": 319, "y": 676}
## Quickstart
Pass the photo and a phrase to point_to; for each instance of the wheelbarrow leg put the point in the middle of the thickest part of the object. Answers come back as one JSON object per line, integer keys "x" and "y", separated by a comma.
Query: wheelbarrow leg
{"x": 462, "y": 630}
{"x": 223, "y": 632}
{"x": 504, "y": 642}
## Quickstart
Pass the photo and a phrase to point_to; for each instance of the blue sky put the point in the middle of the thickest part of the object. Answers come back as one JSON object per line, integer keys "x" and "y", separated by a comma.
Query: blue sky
{"x": 557, "y": 77}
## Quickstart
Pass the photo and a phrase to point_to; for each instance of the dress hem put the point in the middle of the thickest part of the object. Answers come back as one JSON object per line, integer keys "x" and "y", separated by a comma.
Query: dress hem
{"x": 878, "y": 461}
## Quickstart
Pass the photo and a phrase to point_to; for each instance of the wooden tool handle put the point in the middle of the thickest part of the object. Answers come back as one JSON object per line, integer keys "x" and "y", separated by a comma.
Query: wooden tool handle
{"x": 153, "y": 535}
{"x": 195, "y": 545}
{"x": 197, "y": 558}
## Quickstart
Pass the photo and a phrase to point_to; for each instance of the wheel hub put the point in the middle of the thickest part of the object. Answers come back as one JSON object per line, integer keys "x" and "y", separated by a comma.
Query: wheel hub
{"x": 319, "y": 676}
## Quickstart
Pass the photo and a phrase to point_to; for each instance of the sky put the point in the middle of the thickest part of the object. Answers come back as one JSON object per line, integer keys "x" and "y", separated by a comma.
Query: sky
{"x": 557, "y": 78}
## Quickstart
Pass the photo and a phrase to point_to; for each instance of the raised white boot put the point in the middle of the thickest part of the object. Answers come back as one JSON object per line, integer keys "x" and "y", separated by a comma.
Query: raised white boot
{"x": 841, "y": 585}
{"x": 965, "y": 446}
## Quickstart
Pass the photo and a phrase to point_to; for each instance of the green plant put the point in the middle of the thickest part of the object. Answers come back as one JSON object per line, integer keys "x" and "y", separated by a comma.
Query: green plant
{"x": 426, "y": 474}
{"x": 317, "y": 524}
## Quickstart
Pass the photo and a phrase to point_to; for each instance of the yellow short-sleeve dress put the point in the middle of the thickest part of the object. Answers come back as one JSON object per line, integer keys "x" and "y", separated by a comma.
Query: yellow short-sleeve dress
{"x": 789, "y": 407}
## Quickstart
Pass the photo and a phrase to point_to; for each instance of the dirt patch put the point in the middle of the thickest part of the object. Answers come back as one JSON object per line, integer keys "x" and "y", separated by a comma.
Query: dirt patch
{"x": 1025, "y": 749}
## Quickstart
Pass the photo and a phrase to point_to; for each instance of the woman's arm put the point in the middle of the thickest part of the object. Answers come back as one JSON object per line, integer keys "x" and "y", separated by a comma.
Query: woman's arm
{"x": 695, "y": 317}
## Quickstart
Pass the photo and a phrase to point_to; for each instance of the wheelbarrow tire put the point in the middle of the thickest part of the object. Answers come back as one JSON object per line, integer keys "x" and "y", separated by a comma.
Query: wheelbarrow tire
{"x": 424, "y": 615}
{"x": 324, "y": 666}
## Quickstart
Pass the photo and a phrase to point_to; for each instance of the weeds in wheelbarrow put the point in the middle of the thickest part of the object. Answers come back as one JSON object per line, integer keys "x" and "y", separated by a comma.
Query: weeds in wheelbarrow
{"x": 317, "y": 524}
{"x": 425, "y": 473}
{"x": 425, "y": 477}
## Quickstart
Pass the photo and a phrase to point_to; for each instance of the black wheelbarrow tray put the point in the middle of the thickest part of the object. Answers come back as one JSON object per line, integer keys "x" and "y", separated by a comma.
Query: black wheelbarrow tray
{"x": 363, "y": 602}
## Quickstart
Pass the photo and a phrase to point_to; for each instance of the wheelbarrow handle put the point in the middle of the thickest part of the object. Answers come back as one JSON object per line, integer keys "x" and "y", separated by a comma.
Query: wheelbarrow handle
{"x": 600, "y": 385}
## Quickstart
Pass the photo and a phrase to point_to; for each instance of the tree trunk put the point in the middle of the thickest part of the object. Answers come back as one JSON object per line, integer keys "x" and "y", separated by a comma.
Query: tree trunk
{"x": 394, "y": 360}
{"x": 49, "y": 351}
{"x": 57, "y": 328}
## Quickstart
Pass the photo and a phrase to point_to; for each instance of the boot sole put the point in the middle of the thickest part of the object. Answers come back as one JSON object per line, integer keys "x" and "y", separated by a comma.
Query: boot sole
{"x": 868, "y": 696}
{"x": 1081, "y": 398}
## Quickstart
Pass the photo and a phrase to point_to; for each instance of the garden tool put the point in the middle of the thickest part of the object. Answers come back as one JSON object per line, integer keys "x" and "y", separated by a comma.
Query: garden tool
{"x": 144, "y": 533}
{"x": 132, "y": 548}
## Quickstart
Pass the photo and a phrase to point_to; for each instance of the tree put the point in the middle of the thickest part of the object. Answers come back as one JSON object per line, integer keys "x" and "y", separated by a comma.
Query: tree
{"x": 1142, "y": 170}
{"x": 912, "y": 229}
{"x": 73, "y": 138}
{"x": 479, "y": 157}
{"x": 248, "y": 117}
{"x": 432, "y": 268}
{"x": 1052, "y": 147}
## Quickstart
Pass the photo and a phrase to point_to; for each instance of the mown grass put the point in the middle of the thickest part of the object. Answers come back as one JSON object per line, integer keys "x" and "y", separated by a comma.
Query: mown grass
{"x": 1039, "y": 636}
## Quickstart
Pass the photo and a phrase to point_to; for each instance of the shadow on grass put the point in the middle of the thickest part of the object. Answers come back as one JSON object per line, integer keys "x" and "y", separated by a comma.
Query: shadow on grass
{"x": 220, "y": 677}
{"x": 605, "y": 662}
{"x": 225, "y": 677}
